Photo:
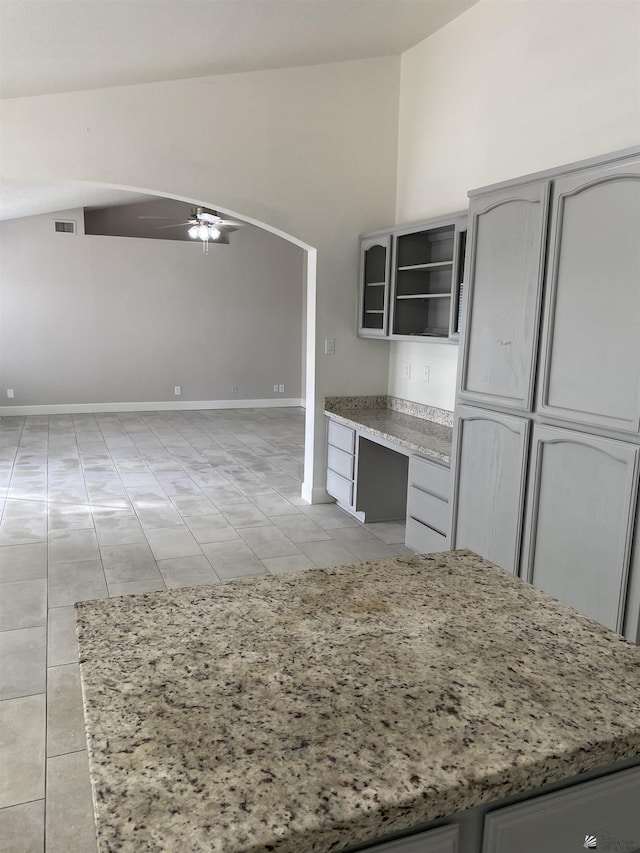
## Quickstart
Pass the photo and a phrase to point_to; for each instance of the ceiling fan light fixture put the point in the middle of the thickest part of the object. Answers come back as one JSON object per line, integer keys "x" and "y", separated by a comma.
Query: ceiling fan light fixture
{"x": 193, "y": 232}
{"x": 214, "y": 232}
{"x": 203, "y": 232}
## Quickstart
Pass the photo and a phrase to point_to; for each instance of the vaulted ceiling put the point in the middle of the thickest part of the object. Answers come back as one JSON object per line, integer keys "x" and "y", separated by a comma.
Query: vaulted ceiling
{"x": 51, "y": 46}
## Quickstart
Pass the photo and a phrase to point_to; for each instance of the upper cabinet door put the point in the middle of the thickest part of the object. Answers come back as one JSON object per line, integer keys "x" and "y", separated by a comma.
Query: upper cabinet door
{"x": 580, "y": 508}
{"x": 590, "y": 357}
{"x": 505, "y": 266}
{"x": 373, "y": 302}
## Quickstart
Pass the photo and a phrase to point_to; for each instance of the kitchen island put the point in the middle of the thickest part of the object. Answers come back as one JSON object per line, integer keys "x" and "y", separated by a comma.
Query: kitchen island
{"x": 320, "y": 710}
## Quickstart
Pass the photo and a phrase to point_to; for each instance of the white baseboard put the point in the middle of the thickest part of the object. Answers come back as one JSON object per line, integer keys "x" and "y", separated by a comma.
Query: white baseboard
{"x": 317, "y": 495}
{"x": 160, "y": 406}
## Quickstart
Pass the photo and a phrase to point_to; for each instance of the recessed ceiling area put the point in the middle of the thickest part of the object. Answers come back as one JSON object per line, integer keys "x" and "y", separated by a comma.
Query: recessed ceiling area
{"x": 158, "y": 219}
{"x": 51, "y": 46}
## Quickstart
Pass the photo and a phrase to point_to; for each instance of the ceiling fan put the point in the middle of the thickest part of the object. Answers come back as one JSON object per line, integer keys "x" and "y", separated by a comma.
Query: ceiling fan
{"x": 205, "y": 226}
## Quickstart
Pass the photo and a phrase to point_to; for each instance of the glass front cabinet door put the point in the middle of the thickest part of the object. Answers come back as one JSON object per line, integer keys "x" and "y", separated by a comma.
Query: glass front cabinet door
{"x": 374, "y": 274}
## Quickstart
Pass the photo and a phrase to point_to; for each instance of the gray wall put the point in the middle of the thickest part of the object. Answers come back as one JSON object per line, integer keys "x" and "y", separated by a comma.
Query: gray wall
{"x": 96, "y": 319}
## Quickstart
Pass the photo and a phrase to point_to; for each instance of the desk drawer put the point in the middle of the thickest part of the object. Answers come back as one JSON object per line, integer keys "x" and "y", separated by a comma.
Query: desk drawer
{"x": 339, "y": 488}
{"x": 340, "y": 462}
{"x": 428, "y": 509}
{"x": 342, "y": 437}
{"x": 423, "y": 539}
{"x": 430, "y": 476}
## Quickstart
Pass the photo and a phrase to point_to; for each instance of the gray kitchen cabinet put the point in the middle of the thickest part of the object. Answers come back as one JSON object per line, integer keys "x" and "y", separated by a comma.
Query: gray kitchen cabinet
{"x": 590, "y": 355}
{"x": 426, "y": 283}
{"x": 428, "y": 512}
{"x": 442, "y": 840}
{"x": 410, "y": 280}
{"x": 504, "y": 273}
{"x": 490, "y": 463}
{"x": 341, "y": 462}
{"x": 605, "y": 810}
{"x": 374, "y": 277}
{"x": 580, "y": 511}
{"x": 632, "y": 608}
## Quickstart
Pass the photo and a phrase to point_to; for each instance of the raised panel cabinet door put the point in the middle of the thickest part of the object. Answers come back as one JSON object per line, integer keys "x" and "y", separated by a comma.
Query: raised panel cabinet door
{"x": 604, "y": 810}
{"x": 580, "y": 507}
{"x": 632, "y": 604}
{"x": 590, "y": 362}
{"x": 490, "y": 458}
{"x": 505, "y": 267}
{"x": 373, "y": 291}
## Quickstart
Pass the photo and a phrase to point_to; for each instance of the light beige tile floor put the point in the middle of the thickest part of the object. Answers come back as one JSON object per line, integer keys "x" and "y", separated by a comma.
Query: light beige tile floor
{"x": 117, "y": 504}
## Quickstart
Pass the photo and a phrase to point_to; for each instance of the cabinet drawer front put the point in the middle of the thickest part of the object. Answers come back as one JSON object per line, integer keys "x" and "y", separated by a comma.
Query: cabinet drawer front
{"x": 339, "y": 488}
{"x": 340, "y": 462}
{"x": 341, "y": 436}
{"x": 442, "y": 840}
{"x": 428, "y": 509}
{"x": 423, "y": 539}
{"x": 558, "y": 822}
{"x": 430, "y": 477}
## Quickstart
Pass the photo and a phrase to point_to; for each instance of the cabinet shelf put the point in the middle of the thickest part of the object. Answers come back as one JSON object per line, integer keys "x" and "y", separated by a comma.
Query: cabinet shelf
{"x": 425, "y": 296}
{"x": 375, "y": 284}
{"x": 371, "y": 311}
{"x": 440, "y": 265}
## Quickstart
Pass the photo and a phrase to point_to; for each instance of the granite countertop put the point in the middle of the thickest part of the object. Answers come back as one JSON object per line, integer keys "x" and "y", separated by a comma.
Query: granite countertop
{"x": 416, "y": 433}
{"x": 308, "y": 712}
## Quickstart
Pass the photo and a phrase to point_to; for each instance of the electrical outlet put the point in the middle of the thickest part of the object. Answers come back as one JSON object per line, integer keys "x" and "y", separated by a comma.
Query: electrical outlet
{"x": 329, "y": 346}
{"x": 275, "y": 389}
{"x": 426, "y": 373}
{"x": 177, "y": 390}
{"x": 10, "y": 393}
{"x": 234, "y": 389}
{"x": 407, "y": 370}
{"x": 281, "y": 389}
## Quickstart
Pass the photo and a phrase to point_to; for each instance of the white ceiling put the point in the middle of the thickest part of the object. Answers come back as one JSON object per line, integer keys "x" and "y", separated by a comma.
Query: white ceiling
{"x": 49, "y": 46}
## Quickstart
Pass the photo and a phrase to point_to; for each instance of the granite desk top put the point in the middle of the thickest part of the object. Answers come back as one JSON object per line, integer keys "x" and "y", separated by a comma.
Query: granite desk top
{"x": 425, "y": 436}
{"x": 308, "y": 712}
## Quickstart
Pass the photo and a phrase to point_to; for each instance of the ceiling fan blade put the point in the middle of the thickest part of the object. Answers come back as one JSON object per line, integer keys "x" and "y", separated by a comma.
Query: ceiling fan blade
{"x": 230, "y": 223}
{"x": 213, "y": 219}
{"x": 177, "y": 225}
{"x": 157, "y": 217}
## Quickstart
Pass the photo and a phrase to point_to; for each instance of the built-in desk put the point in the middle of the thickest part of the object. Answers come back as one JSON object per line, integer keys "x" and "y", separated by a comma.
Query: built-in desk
{"x": 387, "y": 465}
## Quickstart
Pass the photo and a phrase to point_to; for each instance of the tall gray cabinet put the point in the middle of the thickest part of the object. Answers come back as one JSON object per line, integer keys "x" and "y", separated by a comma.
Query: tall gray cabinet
{"x": 547, "y": 431}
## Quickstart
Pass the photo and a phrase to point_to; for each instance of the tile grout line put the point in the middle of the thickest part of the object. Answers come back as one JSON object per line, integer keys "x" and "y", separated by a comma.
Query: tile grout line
{"x": 242, "y": 450}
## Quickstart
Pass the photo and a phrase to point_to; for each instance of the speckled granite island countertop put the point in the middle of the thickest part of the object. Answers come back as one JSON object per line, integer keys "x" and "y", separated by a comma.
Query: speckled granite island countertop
{"x": 309, "y": 712}
{"x": 378, "y": 415}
